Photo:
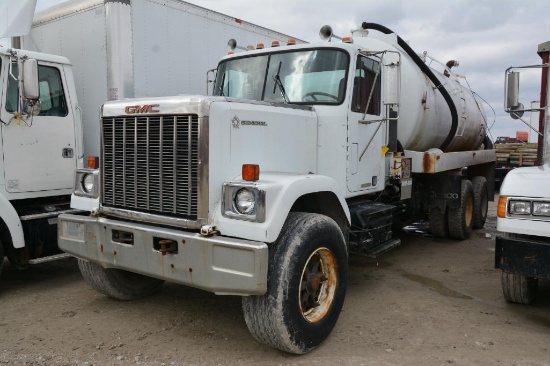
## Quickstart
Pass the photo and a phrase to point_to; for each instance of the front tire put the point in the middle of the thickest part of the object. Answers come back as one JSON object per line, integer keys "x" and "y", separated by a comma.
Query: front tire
{"x": 116, "y": 283}
{"x": 307, "y": 279}
{"x": 518, "y": 288}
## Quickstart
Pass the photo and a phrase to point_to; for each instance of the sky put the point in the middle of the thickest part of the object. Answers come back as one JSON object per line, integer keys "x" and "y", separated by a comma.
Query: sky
{"x": 485, "y": 36}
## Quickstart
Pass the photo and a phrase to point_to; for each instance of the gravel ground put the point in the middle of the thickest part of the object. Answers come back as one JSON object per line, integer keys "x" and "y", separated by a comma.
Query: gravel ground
{"x": 428, "y": 302}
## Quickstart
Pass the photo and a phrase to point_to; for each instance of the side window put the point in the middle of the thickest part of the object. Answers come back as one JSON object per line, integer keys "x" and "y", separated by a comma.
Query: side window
{"x": 13, "y": 90}
{"x": 52, "y": 96}
{"x": 366, "y": 84}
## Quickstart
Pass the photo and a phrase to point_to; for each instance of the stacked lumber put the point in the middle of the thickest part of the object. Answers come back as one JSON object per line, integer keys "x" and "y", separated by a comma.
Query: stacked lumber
{"x": 516, "y": 154}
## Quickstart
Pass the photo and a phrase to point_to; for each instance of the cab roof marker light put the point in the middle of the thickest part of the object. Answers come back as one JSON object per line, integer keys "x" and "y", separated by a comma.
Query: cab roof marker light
{"x": 250, "y": 47}
{"x": 275, "y": 44}
{"x": 291, "y": 42}
{"x": 259, "y": 46}
{"x": 347, "y": 40}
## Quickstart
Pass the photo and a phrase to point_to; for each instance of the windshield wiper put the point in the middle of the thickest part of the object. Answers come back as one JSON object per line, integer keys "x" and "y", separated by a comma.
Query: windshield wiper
{"x": 279, "y": 83}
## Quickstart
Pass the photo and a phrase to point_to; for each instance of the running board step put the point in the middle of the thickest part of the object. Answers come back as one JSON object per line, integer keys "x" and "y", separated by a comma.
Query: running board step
{"x": 383, "y": 248}
{"x": 51, "y": 258}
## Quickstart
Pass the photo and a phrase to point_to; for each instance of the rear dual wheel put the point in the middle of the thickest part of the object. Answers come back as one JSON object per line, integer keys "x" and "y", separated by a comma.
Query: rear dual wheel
{"x": 481, "y": 201}
{"x": 461, "y": 218}
{"x": 438, "y": 220}
{"x": 307, "y": 278}
{"x": 1, "y": 257}
{"x": 458, "y": 222}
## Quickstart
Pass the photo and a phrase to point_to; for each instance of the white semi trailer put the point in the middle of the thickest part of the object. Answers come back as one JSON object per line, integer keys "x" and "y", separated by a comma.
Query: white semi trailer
{"x": 523, "y": 250}
{"x": 105, "y": 50}
{"x": 305, "y": 154}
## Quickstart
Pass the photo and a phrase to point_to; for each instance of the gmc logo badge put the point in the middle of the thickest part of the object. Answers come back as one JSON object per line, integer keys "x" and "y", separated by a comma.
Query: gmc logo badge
{"x": 148, "y": 108}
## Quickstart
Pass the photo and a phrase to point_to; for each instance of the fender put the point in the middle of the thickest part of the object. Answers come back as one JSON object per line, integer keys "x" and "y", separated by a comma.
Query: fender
{"x": 11, "y": 219}
{"x": 282, "y": 190}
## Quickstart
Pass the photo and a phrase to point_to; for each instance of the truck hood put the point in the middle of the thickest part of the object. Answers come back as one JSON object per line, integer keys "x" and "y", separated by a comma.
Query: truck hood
{"x": 198, "y": 104}
{"x": 527, "y": 182}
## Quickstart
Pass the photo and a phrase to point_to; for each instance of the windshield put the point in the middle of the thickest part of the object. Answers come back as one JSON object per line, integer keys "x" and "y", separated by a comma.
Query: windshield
{"x": 306, "y": 77}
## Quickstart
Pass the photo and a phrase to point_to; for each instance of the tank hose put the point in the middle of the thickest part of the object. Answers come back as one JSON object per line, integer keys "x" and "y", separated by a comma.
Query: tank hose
{"x": 428, "y": 72}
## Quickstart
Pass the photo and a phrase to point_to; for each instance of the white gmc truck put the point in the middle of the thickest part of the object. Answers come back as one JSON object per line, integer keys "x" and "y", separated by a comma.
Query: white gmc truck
{"x": 304, "y": 154}
{"x": 523, "y": 251}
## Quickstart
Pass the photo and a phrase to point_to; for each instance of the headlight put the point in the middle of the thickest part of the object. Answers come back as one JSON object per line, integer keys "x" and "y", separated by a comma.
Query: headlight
{"x": 541, "y": 208}
{"x": 520, "y": 207}
{"x": 245, "y": 201}
{"x": 87, "y": 182}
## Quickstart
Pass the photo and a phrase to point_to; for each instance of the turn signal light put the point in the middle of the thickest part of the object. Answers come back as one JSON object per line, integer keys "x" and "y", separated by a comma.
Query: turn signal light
{"x": 251, "y": 172}
{"x": 93, "y": 162}
{"x": 501, "y": 208}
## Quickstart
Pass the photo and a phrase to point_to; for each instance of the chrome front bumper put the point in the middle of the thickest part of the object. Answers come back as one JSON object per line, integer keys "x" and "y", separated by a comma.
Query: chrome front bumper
{"x": 218, "y": 264}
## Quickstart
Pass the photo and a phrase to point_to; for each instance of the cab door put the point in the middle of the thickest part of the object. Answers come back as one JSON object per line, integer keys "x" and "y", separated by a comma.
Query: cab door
{"x": 366, "y": 131}
{"x": 39, "y": 152}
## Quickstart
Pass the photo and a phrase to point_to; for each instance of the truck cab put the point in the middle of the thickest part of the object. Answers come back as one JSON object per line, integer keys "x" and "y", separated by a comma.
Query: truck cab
{"x": 38, "y": 114}
{"x": 523, "y": 218}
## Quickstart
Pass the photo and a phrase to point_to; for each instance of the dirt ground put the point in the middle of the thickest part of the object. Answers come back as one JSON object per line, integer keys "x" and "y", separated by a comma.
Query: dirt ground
{"x": 428, "y": 302}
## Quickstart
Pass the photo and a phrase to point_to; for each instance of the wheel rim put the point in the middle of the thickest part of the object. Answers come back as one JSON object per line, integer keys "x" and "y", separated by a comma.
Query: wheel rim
{"x": 318, "y": 285}
{"x": 469, "y": 211}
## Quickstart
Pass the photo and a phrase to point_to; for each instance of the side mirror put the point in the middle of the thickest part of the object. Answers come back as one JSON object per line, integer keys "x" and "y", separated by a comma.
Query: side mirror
{"x": 391, "y": 84}
{"x": 30, "y": 80}
{"x": 513, "y": 106}
{"x": 512, "y": 90}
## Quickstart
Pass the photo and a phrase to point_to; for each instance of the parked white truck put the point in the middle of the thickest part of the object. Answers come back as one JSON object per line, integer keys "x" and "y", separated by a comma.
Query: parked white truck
{"x": 117, "y": 49}
{"x": 523, "y": 216}
{"x": 305, "y": 153}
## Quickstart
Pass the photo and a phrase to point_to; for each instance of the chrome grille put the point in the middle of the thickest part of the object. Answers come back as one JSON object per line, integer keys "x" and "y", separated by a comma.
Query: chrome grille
{"x": 150, "y": 164}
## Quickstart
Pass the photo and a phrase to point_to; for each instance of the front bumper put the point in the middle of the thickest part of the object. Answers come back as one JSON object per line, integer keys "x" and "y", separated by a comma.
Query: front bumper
{"x": 218, "y": 264}
{"x": 525, "y": 256}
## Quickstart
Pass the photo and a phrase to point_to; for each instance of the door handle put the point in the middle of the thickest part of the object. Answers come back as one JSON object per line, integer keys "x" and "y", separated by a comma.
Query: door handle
{"x": 67, "y": 152}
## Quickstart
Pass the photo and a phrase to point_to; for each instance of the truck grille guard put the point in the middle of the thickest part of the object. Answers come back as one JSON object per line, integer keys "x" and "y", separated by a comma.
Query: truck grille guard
{"x": 153, "y": 169}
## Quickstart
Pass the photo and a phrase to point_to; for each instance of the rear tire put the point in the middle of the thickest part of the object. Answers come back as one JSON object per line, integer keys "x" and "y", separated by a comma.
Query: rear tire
{"x": 439, "y": 226}
{"x": 2, "y": 259}
{"x": 307, "y": 278}
{"x": 460, "y": 219}
{"x": 481, "y": 201}
{"x": 116, "y": 283}
{"x": 518, "y": 288}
